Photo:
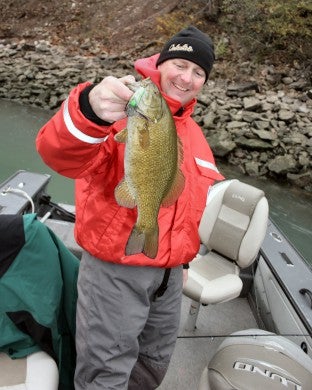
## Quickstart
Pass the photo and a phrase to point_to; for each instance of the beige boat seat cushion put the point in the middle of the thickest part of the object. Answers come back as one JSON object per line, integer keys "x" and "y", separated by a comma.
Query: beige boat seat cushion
{"x": 37, "y": 371}
{"x": 231, "y": 230}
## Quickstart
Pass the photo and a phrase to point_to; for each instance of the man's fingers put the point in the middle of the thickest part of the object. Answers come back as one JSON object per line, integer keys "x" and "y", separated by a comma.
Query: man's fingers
{"x": 129, "y": 79}
{"x": 120, "y": 89}
{"x": 108, "y": 99}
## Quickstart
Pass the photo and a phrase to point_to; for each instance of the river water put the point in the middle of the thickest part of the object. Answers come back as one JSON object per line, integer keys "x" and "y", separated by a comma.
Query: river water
{"x": 290, "y": 208}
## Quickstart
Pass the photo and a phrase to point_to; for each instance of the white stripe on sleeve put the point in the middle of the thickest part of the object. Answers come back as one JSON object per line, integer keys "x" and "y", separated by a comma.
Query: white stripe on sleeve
{"x": 76, "y": 132}
{"x": 206, "y": 164}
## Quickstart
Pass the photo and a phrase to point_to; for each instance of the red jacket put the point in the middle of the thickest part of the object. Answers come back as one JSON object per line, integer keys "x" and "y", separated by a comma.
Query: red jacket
{"x": 80, "y": 149}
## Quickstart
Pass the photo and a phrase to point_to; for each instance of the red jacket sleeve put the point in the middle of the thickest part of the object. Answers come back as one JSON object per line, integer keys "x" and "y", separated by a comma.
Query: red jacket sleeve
{"x": 71, "y": 144}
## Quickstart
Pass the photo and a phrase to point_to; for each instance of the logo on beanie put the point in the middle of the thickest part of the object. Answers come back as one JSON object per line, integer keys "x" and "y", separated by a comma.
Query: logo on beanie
{"x": 180, "y": 47}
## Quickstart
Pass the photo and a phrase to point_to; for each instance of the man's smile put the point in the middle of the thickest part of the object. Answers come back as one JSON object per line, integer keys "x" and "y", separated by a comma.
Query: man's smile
{"x": 179, "y": 87}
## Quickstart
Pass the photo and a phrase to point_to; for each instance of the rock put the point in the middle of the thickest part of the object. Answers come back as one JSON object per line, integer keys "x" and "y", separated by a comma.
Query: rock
{"x": 253, "y": 143}
{"x": 242, "y": 90}
{"x": 286, "y": 115}
{"x": 273, "y": 79}
{"x": 263, "y": 158}
{"x": 262, "y": 125}
{"x": 299, "y": 85}
{"x": 272, "y": 98}
{"x": 221, "y": 144}
{"x": 249, "y": 116}
{"x": 209, "y": 120}
{"x": 268, "y": 133}
{"x": 305, "y": 160}
{"x": 302, "y": 180}
{"x": 282, "y": 164}
{"x": 287, "y": 80}
{"x": 235, "y": 124}
{"x": 267, "y": 106}
{"x": 296, "y": 138}
{"x": 252, "y": 168}
{"x": 252, "y": 104}
{"x": 265, "y": 135}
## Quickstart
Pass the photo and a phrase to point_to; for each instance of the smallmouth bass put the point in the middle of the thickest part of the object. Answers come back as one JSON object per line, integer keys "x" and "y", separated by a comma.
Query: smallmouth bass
{"x": 153, "y": 155}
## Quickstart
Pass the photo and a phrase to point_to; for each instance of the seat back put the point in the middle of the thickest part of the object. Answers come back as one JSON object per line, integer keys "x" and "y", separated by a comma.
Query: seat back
{"x": 234, "y": 221}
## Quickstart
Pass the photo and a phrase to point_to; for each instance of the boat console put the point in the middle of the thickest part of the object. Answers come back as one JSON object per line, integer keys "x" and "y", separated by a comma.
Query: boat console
{"x": 257, "y": 359}
{"x": 21, "y": 192}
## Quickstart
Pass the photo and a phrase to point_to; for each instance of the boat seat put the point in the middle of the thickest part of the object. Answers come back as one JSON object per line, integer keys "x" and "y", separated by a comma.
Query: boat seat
{"x": 232, "y": 229}
{"x": 37, "y": 371}
{"x": 257, "y": 359}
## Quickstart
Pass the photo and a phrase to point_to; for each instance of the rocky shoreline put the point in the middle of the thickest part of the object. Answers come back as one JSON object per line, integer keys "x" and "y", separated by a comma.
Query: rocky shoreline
{"x": 262, "y": 124}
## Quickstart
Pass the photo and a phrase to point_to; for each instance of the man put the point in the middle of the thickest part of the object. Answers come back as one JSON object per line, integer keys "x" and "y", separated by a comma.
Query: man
{"x": 129, "y": 306}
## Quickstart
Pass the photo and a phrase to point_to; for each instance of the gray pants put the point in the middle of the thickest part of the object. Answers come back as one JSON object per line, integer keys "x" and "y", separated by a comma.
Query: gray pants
{"x": 124, "y": 338}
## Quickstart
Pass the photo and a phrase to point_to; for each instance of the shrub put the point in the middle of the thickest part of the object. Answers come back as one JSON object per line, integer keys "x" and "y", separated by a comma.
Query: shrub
{"x": 268, "y": 25}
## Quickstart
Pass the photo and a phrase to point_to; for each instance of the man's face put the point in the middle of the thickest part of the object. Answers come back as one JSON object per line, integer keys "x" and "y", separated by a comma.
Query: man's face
{"x": 181, "y": 79}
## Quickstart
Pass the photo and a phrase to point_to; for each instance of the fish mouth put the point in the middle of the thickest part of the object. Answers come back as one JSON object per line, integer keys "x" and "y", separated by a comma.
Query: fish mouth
{"x": 143, "y": 115}
{"x": 132, "y": 111}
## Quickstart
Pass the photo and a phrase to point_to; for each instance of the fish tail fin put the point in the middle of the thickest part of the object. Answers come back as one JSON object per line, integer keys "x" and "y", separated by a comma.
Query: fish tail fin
{"x": 143, "y": 242}
{"x": 151, "y": 243}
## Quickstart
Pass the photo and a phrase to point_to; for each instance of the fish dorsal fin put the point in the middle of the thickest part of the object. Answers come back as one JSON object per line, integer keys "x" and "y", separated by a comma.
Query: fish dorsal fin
{"x": 121, "y": 136}
{"x": 178, "y": 182}
{"x": 123, "y": 195}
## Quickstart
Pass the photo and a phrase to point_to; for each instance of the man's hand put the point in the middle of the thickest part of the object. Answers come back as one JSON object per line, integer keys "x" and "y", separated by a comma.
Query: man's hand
{"x": 108, "y": 99}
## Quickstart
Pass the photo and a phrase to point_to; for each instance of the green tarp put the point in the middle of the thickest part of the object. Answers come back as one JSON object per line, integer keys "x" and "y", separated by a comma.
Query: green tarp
{"x": 38, "y": 293}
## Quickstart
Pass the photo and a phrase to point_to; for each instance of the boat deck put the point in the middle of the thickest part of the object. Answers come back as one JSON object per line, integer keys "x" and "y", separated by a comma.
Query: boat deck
{"x": 195, "y": 349}
{"x": 281, "y": 289}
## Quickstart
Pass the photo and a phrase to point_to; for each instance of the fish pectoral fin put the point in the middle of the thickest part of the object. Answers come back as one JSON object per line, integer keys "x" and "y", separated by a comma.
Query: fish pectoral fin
{"x": 143, "y": 242}
{"x": 123, "y": 195}
{"x": 121, "y": 136}
{"x": 175, "y": 190}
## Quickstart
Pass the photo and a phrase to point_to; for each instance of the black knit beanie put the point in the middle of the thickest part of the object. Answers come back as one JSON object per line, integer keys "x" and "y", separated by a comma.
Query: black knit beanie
{"x": 190, "y": 44}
